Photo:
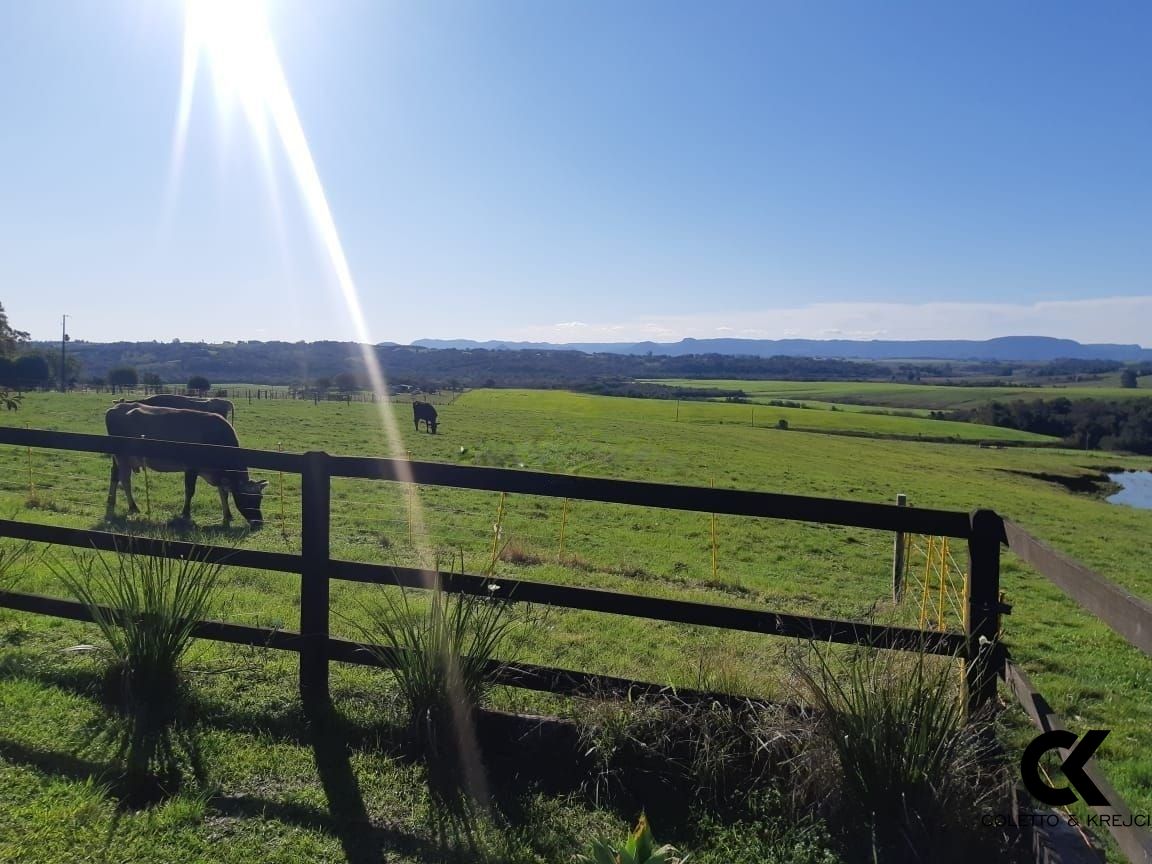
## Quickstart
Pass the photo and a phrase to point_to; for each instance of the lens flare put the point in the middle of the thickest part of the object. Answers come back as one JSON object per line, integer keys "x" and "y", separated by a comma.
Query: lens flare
{"x": 234, "y": 40}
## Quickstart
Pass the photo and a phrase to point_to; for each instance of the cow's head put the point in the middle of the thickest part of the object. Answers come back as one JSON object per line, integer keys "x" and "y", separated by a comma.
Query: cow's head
{"x": 248, "y": 494}
{"x": 432, "y": 425}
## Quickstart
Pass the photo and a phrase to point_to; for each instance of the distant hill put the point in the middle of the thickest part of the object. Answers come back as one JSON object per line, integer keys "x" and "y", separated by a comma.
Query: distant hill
{"x": 1013, "y": 349}
{"x": 504, "y": 364}
{"x": 258, "y": 362}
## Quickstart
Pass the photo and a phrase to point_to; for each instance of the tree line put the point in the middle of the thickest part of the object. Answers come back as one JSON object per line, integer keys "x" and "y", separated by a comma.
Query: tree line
{"x": 301, "y": 363}
{"x": 1089, "y": 424}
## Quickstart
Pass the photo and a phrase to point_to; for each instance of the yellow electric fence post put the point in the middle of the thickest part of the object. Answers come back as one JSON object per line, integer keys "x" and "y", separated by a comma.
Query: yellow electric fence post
{"x": 943, "y": 579}
{"x": 31, "y": 485}
{"x": 496, "y": 531}
{"x": 907, "y": 554}
{"x": 924, "y": 584}
{"x": 713, "y": 483}
{"x": 563, "y": 525}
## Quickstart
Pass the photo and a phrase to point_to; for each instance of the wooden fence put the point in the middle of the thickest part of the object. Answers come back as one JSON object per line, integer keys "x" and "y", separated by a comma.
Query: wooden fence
{"x": 983, "y": 530}
{"x": 316, "y": 566}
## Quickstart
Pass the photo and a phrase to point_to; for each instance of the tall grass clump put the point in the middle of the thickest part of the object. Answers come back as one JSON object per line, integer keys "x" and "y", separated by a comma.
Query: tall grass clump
{"x": 146, "y": 608}
{"x": 901, "y": 772}
{"x": 441, "y": 653}
{"x": 678, "y": 757}
{"x": 14, "y": 560}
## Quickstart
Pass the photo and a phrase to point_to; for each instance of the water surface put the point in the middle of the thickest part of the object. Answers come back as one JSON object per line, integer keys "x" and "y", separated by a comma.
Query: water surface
{"x": 1137, "y": 491}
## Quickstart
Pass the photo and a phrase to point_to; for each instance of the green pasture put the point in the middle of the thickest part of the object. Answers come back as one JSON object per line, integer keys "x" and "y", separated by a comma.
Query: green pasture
{"x": 937, "y": 397}
{"x": 1091, "y": 676}
{"x": 843, "y": 419}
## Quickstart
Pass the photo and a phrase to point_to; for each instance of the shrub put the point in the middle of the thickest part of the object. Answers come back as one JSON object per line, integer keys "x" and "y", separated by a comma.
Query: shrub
{"x": 892, "y": 758}
{"x": 146, "y": 608}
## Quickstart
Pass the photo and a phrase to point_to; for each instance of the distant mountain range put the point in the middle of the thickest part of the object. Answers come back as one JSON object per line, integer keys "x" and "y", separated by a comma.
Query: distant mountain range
{"x": 1017, "y": 349}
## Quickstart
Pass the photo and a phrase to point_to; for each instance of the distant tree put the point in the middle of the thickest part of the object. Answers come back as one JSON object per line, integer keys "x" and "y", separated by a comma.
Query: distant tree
{"x": 322, "y": 383}
{"x": 123, "y": 376}
{"x": 32, "y": 369}
{"x": 151, "y": 379}
{"x": 347, "y": 381}
{"x": 72, "y": 367}
{"x": 199, "y": 384}
{"x": 1128, "y": 378}
{"x": 781, "y": 423}
{"x": 9, "y": 336}
{"x": 7, "y": 372}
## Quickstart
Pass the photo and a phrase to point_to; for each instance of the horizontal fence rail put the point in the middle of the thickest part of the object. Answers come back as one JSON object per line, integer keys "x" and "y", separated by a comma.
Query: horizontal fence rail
{"x": 526, "y": 676}
{"x": 202, "y": 455}
{"x": 1127, "y": 614}
{"x": 106, "y": 541}
{"x": 658, "y": 608}
{"x": 703, "y": 499}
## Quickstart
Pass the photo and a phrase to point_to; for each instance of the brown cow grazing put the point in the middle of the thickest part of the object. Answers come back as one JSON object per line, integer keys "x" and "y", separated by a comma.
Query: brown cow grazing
{"x": 132, "y": 420}
{"x": 223, "y": 407}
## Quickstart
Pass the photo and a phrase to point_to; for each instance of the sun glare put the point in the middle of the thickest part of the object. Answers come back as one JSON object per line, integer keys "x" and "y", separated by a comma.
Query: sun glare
{"x": 234, "y": 41}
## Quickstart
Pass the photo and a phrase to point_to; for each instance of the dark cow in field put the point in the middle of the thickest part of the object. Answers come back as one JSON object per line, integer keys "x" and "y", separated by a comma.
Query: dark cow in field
{"x": 424, "y": 411}
{"x": 223, "y": 407}
{"x": 133, "y": 420}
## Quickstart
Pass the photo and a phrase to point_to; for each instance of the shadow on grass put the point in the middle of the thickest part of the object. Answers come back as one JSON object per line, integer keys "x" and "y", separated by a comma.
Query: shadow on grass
{"x": 346, "y": 819}
{"x": 520, "y": 759}
{"x": 172, "y": 529}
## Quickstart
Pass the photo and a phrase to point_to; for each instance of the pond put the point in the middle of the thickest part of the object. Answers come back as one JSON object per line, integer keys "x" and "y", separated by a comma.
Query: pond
{"x": 1136, "y": 491}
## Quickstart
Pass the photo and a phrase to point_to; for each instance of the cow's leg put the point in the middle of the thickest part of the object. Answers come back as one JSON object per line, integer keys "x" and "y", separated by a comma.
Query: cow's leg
{"x": 110, "y": 510}
{"x": 125, "y": 473}
{"x": 224, "y": 504}
{"x": 189, "y": 491}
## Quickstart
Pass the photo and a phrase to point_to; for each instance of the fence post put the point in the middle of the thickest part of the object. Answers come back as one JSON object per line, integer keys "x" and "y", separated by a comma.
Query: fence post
{"x": 898, "y": 557}
{"x": 982, "y": 617}
{"x": 314, "y": 551}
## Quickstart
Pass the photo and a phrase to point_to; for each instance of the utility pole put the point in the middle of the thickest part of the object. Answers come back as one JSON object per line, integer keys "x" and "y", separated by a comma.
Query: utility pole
{"x": 63, "y": 343}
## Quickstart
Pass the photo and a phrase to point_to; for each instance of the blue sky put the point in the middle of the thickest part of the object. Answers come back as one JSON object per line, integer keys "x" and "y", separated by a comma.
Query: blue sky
{"x": 580, "y": 171}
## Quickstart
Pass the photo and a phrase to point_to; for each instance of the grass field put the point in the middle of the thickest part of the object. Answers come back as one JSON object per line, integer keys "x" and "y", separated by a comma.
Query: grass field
{"x": 859, "y": 421}
{"x": 1092, "y": 677}
{"x": 937, "y": 397}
